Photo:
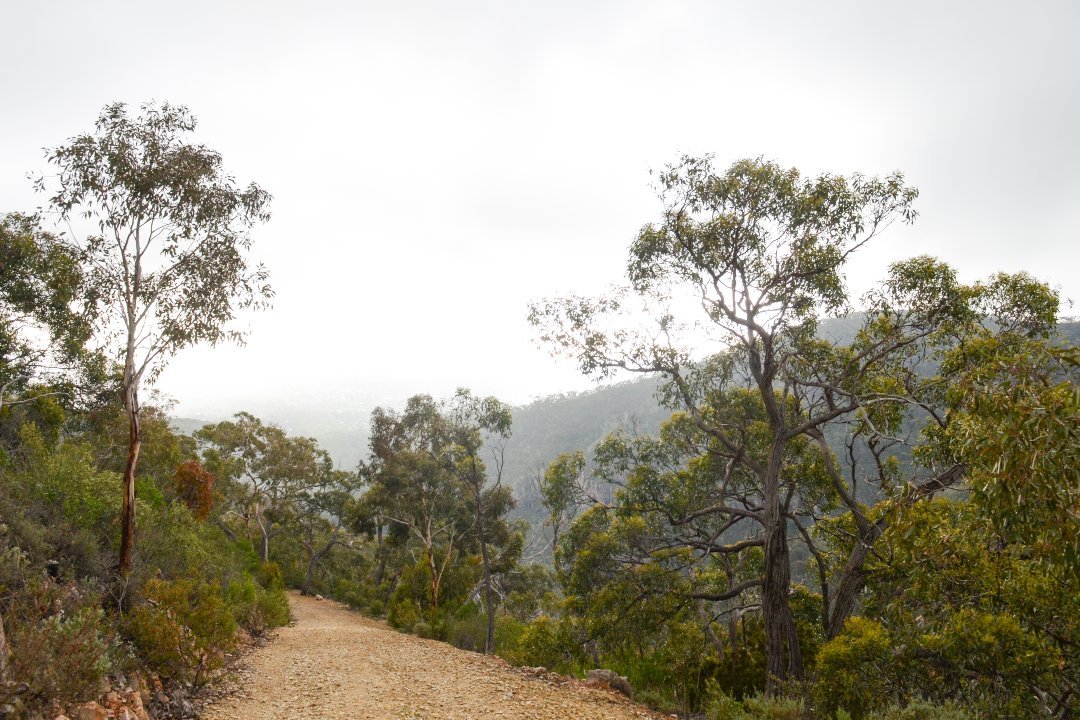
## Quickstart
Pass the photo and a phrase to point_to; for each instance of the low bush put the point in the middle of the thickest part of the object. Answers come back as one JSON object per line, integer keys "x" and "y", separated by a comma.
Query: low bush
{"x": 60, "y": 645}
{"x": 183, "y": 630}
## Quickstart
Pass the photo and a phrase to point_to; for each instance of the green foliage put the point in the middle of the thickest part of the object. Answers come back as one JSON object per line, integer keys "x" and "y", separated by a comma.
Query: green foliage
{"x": 255, "y": 608}
{"x": 546, "y": 642}
{"x": 66, "y": 483}
{"x": 1018, "y": 430}
{"x": 922, "y": 710}
{"x": 269, "y": 576}
{"x": 184, "y": 630}
{"x": 721, "y": 706}
{"x": 855, "y": 670}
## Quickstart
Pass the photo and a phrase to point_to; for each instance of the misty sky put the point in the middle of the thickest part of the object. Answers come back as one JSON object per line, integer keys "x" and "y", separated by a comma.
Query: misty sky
{"x": 436, "y": 165}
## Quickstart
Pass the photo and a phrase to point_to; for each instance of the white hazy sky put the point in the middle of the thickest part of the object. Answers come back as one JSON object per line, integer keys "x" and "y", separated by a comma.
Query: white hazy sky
{"x": 436, "y": 165}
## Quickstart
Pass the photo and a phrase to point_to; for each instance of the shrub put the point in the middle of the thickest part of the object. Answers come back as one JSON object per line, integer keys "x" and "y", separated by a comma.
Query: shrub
{"x": 269, "y": 576}
{"x": 184, "y": 630}
{"x": 256, "y": 609}
{"x": 544, "y": 641}
{"x": 721, "y": 706}
{"x": 852, "y": 670}
{"x": 467, "y": 630}
{"x": 60, "y": 644}
{"x": 195, "y": 486}
{"x": 403, "y": 614}
{"x": 921, "y": 710}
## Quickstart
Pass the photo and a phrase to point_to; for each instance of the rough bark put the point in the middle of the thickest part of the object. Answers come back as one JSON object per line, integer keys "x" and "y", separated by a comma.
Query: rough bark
{"x": 783, "y": 656}
{"x": 851, "y": 582}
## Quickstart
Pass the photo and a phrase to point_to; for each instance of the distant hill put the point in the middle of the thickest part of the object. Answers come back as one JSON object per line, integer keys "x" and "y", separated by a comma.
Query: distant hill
{"x": 542, "y": 429}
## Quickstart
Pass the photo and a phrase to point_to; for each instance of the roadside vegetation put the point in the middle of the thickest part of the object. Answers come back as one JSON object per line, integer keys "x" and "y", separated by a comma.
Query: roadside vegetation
{"x": 883, "y": 525}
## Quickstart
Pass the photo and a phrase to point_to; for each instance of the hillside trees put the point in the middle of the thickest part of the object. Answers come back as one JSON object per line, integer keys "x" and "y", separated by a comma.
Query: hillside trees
{"x": 264, "y": 471}
{"x": 166, "y": 246}
{"x": 472, "y": 418}
{"x": 760, "y": 251}
{"x": 560, "y": 494}
{"x": 321, "y": 517}
{"x": 428, "y": 482}
{"x": 413, "y": 484}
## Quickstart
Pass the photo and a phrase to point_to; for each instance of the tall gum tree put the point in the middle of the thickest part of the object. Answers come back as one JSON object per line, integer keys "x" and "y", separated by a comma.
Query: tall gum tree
{"x": 760, "y": 251}
{"x": 471, "y": 418}
{"x": 166, "y": 251}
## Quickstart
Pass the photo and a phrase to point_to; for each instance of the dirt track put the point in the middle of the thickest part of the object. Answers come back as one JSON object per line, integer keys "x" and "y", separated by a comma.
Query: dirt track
{"x": 336, "y": 664}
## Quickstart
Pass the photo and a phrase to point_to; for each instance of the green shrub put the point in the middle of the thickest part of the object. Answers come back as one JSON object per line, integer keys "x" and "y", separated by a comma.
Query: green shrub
{"x": 852, "y": 670}
{"x": 467, "y": 628}
{"x": 761, "y": 707}
{"x": 721, "y": 706}
{"x": 544, "y": 641}
{"x": 185, "y": 629}
{"x": 403, "y": 614}
{"x": 921, "y": 710}
{"x": 256, "y": 609}
{"x": 269, "y": 576}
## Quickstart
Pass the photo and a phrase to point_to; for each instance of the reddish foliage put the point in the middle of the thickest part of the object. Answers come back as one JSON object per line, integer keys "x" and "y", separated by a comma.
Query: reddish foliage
{"x": 195, "y": 486}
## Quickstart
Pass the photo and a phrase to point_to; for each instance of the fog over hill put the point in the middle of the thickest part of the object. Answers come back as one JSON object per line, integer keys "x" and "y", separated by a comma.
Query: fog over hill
{"x": 339, "y": 419}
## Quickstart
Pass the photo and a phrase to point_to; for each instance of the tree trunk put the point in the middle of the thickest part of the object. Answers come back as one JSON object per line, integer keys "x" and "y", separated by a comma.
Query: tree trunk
{"x": 706, "y": 624}
{"x": 4, "y": 652}
{"x": 489, "y": 604}
{"x": 434, "y": 577}
{"x": 264, "y": 548}
{"x": 380, "y": 568}
{"x": 555, "y": 546}
{"x": 127, "y": 517}
{"x": 852, "y": 581}
{"x": 783, "y": 656}
{"x": 305, "y": 589}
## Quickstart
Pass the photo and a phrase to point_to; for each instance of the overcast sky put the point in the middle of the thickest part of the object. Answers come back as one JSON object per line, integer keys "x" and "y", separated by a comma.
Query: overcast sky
{"x": 436, "y": 165}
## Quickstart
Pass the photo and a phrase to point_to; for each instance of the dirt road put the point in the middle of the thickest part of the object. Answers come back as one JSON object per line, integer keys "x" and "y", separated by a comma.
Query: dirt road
{"x": 335, "y": 664}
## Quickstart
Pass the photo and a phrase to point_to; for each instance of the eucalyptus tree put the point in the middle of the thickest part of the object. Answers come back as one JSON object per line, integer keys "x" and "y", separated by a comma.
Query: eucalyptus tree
{"x": 413, "y": 483}
{"x": 760, "y": 252}
{"x": 472, "y": 418}
{"x": 264, "y": 471}
{"x": 166, "y": 250}
{"x": 46, "y": 311}
{"x": 321, "y": 514}
{"x": 561, "y": 494}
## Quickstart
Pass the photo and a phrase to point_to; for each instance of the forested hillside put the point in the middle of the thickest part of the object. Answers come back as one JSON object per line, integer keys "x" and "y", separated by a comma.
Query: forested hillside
{"x": 871, "y": 517}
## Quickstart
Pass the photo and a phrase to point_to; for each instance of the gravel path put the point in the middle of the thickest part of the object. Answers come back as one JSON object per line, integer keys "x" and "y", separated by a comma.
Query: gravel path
{"x": 336, "y": 664}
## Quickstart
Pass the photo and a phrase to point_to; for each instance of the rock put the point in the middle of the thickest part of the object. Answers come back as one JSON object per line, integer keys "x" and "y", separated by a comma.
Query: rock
{"x": 142, "y": 686}
{"x": 113, "y": 702}
{"x": 89, "y": 711}
{"x": 135, "y": 704}
{"x": 608, "y": 678}
{"x": 319, "y": 597}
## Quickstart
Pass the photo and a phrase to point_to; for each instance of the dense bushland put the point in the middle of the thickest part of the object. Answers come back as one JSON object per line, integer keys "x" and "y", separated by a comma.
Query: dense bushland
{"x": 879, "y": 525}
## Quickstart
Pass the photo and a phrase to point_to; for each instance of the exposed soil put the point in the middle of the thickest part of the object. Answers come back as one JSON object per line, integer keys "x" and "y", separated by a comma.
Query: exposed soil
{"x": 334, "y": 663}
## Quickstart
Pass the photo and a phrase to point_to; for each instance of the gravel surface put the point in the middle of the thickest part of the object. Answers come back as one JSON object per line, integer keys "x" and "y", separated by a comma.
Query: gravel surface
{"x": 334, "y": 663}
